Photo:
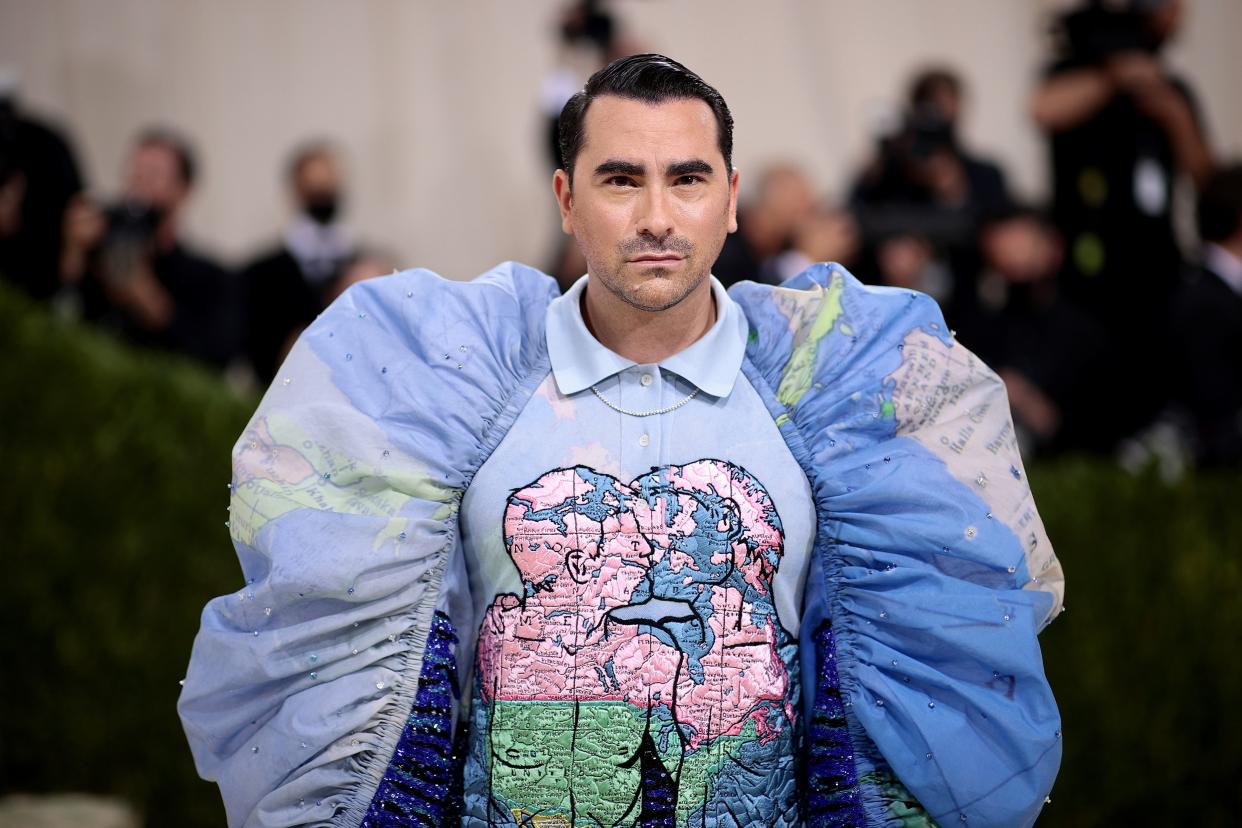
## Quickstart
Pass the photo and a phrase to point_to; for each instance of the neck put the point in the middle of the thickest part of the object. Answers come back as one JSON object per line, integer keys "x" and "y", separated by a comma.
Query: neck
{"x": 647, "y": 337}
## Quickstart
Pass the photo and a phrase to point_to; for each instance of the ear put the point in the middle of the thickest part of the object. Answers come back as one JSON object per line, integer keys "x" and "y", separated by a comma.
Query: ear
{"x": 564, "y": 199}
{"x": 733, "y": 181}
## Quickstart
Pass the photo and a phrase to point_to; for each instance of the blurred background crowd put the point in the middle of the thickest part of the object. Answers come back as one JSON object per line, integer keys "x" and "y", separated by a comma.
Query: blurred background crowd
{"x": 1108, "y": 296}
{"x": 185, "y": 186}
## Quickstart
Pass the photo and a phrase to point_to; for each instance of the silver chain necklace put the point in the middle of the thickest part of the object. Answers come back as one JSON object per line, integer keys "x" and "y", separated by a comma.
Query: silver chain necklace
{"x": 664, "y": 410}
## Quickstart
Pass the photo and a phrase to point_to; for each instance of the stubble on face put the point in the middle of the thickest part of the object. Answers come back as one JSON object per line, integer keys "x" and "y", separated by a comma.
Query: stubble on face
{"x": 675, "y": 286}
{"x": 650, "y": 183}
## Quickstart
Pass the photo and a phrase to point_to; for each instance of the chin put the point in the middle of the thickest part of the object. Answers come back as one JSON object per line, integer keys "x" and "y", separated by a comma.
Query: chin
{"x": 659, "y": 289}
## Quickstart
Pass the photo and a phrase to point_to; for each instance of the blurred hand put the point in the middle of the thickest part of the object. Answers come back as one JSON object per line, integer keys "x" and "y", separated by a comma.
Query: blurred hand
{"x": 12, "y": 194}
{"x": 1134, "y": 71}
{"x": 1141, "y": 76}
{"x": 143, "y": 297}
{"x": 83, "y": 227}
{"x": 945, "y": 176}
{"x": 1031, "y": 406}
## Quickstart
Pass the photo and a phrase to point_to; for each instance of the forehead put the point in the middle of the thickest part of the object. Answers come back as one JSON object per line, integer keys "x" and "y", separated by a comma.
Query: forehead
{"x": 154, "y": 153}
{"x": 674, "y": 129}
{"x": 320, "y": 164}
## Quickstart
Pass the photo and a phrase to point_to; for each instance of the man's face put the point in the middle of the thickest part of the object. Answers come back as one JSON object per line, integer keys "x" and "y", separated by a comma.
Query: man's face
{"x": 318, "y": 181}
{"x": 651, "y": 202}
{"x": 154, "y": 177}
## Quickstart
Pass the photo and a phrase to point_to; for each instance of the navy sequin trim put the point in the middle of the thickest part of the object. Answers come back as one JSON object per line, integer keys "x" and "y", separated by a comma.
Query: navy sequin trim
{"x": 833, "y": 794}
{"x": 423, "y": 783}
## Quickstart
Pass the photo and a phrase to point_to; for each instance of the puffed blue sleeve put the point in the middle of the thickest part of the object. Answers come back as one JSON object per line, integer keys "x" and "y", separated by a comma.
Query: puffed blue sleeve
{"x": 345, "y": 491}
{"x": 924, "y": 689}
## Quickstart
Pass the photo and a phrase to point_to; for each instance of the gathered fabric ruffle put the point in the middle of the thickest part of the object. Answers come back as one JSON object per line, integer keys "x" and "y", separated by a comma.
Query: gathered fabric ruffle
{"x": 933, "y": 572}
{"x": 345, "y": 492}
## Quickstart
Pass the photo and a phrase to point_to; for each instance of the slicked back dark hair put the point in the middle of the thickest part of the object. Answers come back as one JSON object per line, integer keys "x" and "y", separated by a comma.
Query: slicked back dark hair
{"x": 649, "y": 78}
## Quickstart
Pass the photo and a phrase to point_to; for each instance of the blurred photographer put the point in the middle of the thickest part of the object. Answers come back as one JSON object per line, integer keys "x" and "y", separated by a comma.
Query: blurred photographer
{"x": 289, "y": 284}
{"x": 1053, "y": 358}
{"x": 38, "y": 176}
{"x": 920, "y": 201}
{"x": 133, "y": 272}
{"x": 1208, "y": 325}
{"x": 1122, "y": 130}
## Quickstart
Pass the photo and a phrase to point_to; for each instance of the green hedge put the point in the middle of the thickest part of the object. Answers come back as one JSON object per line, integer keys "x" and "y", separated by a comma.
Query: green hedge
{"x": 115, "y": 465}
{"x": 115, "y": 468}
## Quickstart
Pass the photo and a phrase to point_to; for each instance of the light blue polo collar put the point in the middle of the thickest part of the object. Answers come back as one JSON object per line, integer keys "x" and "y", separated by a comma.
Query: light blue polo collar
{"x": 580, "y": 361}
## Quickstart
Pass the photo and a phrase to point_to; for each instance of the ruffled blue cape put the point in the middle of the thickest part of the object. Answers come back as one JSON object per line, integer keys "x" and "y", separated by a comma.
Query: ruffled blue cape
{"x": 317, "y": 693}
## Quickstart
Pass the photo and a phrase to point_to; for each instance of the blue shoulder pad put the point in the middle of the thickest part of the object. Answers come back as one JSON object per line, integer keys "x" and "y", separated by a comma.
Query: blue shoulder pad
{"x": 345, "y": 491}
{"x": 932, "y": 574}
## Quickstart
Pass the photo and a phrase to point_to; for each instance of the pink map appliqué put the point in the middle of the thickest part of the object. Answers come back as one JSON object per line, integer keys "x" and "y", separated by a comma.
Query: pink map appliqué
{"x": 652, "y": 593}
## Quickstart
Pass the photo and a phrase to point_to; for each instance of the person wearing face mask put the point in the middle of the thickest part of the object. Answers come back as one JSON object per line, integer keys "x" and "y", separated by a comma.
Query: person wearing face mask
{"x": 287, "y": 286}
{"x": 127, "y": 268}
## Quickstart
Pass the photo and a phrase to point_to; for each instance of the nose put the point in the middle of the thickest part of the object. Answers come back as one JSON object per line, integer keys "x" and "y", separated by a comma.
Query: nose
{"x": 655, "y": 217}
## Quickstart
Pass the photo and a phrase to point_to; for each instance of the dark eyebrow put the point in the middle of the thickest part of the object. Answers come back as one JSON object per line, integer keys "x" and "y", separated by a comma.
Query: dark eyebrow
{"x": 695, "y": 166}
{"x": 614, "y": 166}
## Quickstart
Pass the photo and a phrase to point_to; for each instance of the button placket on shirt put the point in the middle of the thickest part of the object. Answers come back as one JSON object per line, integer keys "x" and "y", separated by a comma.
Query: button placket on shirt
{"x": 643, "y": 390}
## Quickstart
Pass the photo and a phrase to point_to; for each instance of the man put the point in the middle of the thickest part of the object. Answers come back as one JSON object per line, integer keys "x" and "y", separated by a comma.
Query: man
{"x": 38, "y": 176}
{"x": 135, "y": 273}
{"x": 688, "y": 558}
{"x": 1122, "y": 130}
{"x": 783, "y": 202}
{"x": 921, "y": 200}
{"x": 1208, "y": 322}
{"x": 288, "y": 287}
{"x": 1050, "y": 354}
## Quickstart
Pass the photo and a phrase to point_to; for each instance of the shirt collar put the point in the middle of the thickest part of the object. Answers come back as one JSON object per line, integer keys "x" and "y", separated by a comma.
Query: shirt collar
{"x": 579, "y": 361}
{"x": 1224, "y": 264}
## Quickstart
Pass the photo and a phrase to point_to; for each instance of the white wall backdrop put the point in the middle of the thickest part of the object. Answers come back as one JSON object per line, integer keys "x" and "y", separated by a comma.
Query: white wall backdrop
{"x": 436, "y": 104}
